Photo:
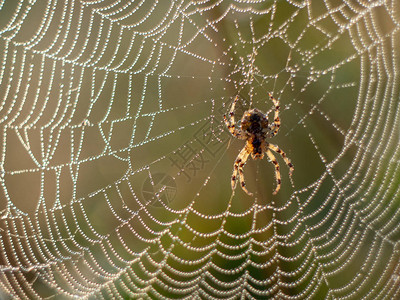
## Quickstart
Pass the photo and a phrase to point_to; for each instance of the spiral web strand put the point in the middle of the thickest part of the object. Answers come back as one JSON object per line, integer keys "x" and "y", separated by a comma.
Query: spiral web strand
{"x": 115, "y": 162}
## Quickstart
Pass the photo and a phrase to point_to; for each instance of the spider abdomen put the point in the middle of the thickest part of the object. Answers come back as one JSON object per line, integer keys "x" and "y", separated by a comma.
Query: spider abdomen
{"x": 255, "y": 128}
{"x": 254, "y": 122}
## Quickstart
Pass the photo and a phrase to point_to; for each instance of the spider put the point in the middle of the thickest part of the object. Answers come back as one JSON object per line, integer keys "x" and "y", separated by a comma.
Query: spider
{"x": 255, "y": 129}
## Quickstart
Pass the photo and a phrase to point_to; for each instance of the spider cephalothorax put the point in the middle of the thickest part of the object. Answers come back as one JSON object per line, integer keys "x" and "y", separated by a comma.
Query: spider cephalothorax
{"x": 255, "y": 128}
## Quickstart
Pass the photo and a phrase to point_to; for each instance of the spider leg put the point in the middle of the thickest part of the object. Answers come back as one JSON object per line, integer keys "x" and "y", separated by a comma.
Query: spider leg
{"x": 272, "y": 158}
{"x": 277, "y": 122}
{"x": 238, "y": 169}
{"x": 283, "y": 154}
{"x": 231, "y": 122}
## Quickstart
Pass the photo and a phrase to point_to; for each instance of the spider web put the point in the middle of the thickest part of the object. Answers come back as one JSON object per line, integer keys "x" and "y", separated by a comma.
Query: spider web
{"x": 115, "y": 162}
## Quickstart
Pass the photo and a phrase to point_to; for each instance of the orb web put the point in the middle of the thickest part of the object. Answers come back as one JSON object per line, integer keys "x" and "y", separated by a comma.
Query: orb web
{"x": 115, "y": 162}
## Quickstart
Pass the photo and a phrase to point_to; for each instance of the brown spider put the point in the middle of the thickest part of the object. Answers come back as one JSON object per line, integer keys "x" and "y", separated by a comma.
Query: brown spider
{"x": 255, "y": 129}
